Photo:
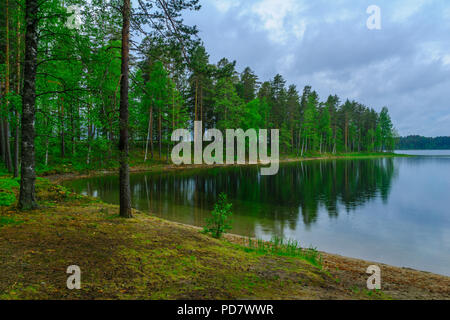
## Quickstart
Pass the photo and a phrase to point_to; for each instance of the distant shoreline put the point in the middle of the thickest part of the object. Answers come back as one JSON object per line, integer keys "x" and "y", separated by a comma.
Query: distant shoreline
{"x": 160, "y": 167}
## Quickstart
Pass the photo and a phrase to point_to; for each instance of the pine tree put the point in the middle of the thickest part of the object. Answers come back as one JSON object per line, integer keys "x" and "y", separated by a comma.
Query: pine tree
{"x": 27, "y": 198}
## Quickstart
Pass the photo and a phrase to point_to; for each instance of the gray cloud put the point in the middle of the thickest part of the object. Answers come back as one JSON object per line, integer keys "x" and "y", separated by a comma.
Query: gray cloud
{"x": 405, "y": 65}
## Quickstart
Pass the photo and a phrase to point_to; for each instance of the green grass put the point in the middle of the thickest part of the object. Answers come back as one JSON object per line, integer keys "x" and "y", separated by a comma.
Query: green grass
{"x": 288, "y": 248}
{"x": 7, "y": 186}
{"x": 7, "y": 221}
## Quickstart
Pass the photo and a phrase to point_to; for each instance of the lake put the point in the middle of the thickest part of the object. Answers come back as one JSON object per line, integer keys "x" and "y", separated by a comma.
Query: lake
{"x": 389, "y": 210}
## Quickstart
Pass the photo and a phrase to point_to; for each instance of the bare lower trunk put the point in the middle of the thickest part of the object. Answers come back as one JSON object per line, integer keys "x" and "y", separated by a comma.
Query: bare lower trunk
{"x": 63, "y": 140}
{"x": 149, "y": 135}
{"x": 90, "y": 134}
{"x": 151, "y": 131}
{"x": 168, "y": 152}
{"x": 72, "y": 122}
{"x": 27, "y": 198}
{"x": 160, "y": 134}
{"x": 2, "y": 142}
{"x": 16, "y": 111}
{"x": 8, "y": 161}
{"x": 320, "y": 148}
{"x": 303, "y": 146}
{"x": 16, "y": 145}
{"x": 148, "y": 138}
{"x": 124, "y": 173}
{"x": 46, "y": 150}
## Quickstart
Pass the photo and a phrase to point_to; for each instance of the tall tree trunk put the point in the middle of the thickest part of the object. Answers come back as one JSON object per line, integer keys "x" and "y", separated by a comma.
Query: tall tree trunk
{"x": 320, "y": 148}
{"x": 61, "y": 119}
{"x": 72, "y": 122}
{"x": 196, "y": 99}
{"x": 7, "y": 86}
{"x": 303, "y": 146}
{"x": 46, "y": 150}
{"x": 201, "y": 107}
{"x": 16, "y": 111}
{"x": 159, "y": 132}
{"x": 46, "y": 142}
{"x": 334, "y": 137}
{"x": 196, "y": 103}
{"x": 8, "y": 161}
{"x": 27, "y": 198}
{"x": 2, "y": 141}
{"x": 124, "y": 173}
{"x": 90, "y": 136}
{"x": 173, "y": 123}
{"x": 346, "y": 132}
{"x": 151, "y": 131}
{"x": 292, "y": 140}
{"x": 148, "y": 133}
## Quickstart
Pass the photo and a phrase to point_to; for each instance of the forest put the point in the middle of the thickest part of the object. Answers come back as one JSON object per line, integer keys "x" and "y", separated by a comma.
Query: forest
{"x": 423, "y": 143}
{"x": 123, "y": 78}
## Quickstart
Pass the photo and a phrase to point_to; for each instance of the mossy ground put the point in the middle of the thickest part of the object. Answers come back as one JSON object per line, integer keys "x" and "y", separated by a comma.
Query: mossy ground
{"x": 149, "y": 258}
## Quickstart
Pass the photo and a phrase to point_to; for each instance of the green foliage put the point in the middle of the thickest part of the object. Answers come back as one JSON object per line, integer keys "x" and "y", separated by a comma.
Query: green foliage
{"x": 253, "y": 115}
{"x": 387, "y": 130}
{"x": 290, "y": 248}
{"x": 228, "y": 105}
{"x": 423, "y": 143}
{"x": 285, "y": 137}
{"x": 219, "y": 222}
{"x": 171, "y": 85}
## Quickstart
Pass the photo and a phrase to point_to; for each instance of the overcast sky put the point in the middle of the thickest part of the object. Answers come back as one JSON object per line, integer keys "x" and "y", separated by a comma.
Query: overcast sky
{"x": 326, "y": 44}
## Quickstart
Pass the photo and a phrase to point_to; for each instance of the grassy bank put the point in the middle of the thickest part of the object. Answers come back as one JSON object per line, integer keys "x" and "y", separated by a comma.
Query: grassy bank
{"x": 149, "y": 258}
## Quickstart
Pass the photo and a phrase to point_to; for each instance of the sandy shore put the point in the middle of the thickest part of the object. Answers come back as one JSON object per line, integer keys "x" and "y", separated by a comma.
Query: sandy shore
{"x": 397, "y": 283}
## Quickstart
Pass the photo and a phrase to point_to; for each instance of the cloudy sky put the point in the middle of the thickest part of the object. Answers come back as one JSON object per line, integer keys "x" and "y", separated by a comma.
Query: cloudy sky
{"x": 326, "y": 44}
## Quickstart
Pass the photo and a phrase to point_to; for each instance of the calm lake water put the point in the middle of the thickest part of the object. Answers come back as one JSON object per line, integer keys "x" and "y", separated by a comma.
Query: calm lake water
{"x": 394, "y": 211}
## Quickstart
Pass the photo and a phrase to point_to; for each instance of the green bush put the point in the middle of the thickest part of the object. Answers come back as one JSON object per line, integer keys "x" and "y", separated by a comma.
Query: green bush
{"x": 219, "y": 223}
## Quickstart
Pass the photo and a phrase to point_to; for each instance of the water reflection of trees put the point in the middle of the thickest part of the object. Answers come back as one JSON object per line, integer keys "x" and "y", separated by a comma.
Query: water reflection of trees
{"x": 299, "y": 190}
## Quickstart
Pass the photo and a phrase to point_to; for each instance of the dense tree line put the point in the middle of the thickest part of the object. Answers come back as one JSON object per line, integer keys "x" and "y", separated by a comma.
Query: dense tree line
{"x": 423, "y": 143}
{"x": 133, "y": 75}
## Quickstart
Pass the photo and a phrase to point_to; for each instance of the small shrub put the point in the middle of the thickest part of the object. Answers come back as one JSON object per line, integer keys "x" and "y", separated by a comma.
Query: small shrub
{"x": 219, "y": 223}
